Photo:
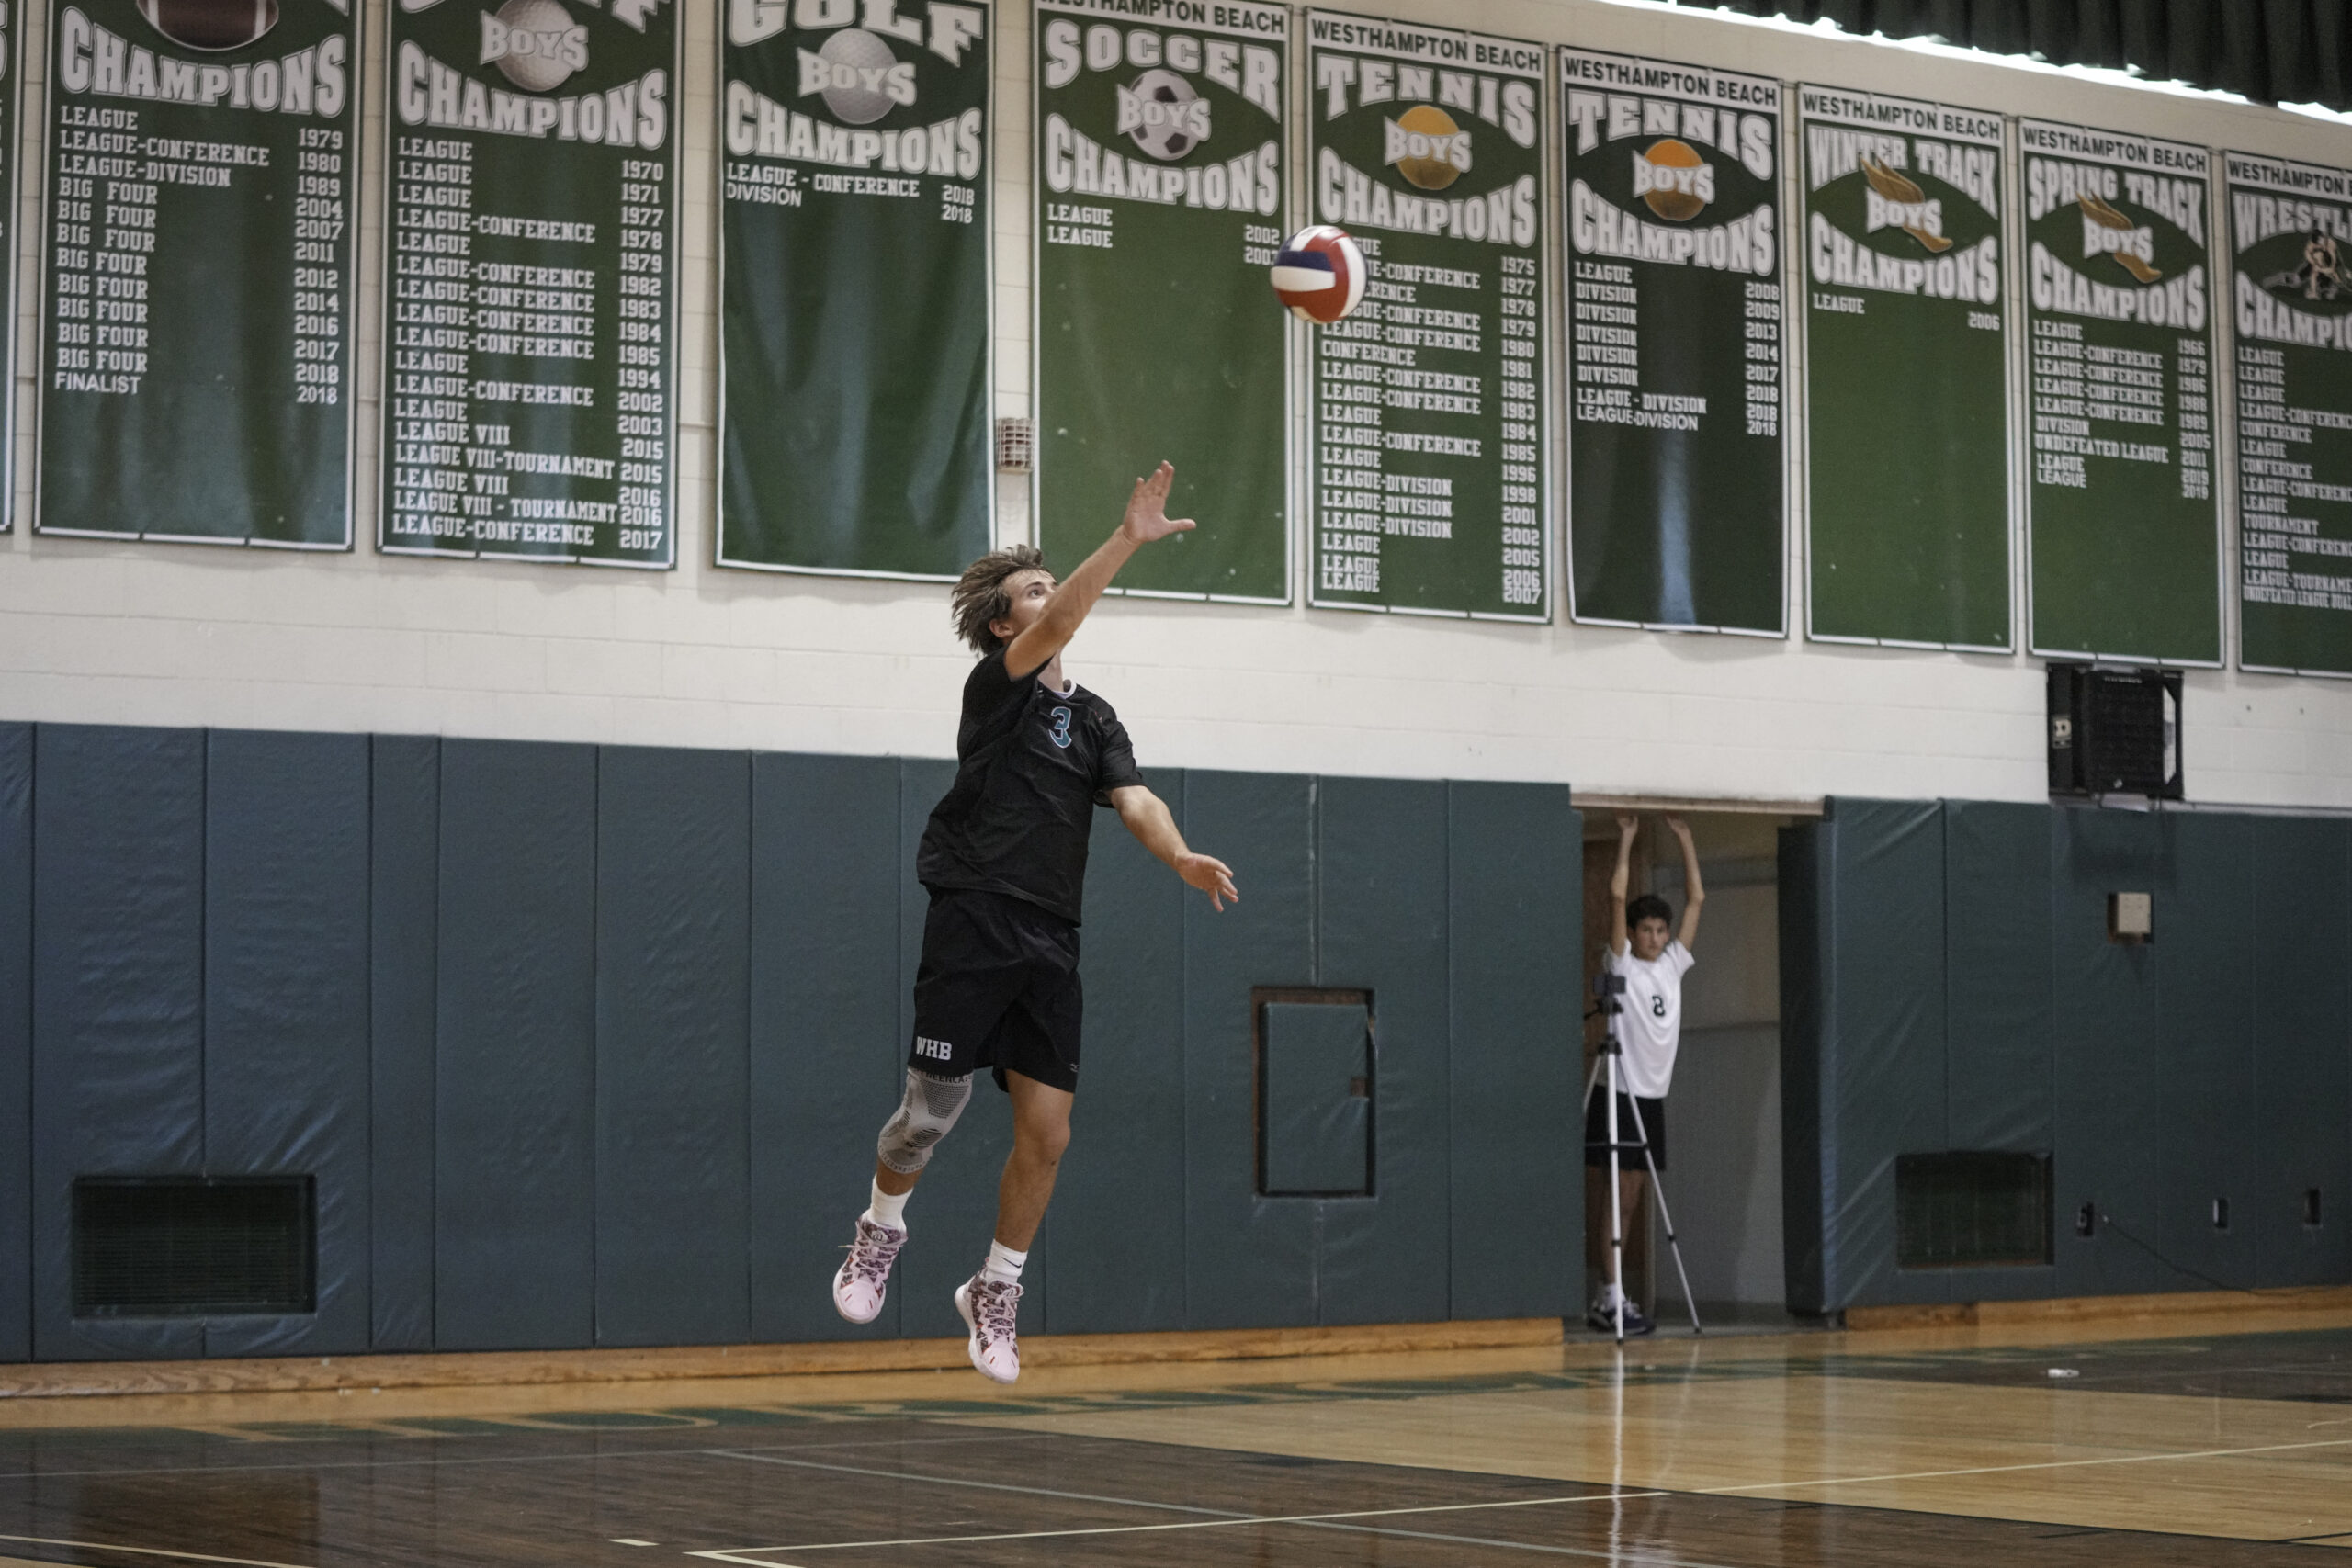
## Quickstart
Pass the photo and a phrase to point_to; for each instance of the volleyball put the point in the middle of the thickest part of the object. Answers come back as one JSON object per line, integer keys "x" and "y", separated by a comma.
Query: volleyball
{"x": 1320, "y": 274}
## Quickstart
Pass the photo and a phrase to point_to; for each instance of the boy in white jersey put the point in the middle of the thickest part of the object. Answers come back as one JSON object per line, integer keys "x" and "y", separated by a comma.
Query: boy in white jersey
{"x": 1648, "y": 1029}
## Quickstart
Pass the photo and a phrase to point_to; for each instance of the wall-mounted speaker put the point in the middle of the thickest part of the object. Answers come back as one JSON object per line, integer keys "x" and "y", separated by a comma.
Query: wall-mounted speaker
{"x": 2115, "y": 731}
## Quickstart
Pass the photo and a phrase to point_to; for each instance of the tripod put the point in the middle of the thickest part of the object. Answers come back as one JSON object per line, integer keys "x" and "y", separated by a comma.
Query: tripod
{"x": 1607, "y": 988}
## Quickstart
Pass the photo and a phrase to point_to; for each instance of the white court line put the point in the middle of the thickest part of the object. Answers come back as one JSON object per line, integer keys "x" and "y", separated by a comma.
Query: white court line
{"x": 145, "y": 1551}
{"x": 2003, "y": 1469}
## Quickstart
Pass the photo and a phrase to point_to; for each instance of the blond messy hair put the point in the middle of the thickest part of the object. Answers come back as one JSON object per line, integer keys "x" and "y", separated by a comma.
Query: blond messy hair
{"x": 981, "y": 595}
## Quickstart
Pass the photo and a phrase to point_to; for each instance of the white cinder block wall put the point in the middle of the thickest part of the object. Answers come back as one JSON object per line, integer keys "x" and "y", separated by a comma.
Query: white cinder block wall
{"x": 188, "y": 635}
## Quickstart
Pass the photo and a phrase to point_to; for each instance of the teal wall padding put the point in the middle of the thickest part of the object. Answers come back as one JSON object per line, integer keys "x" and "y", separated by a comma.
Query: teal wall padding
{"x": 16, "y": 1040}
{"x": 403, "y": 894}
{"x": 1806, "y": 877}
{"x": 285, "y": 1013}
{"x": 1315, "y": 1104}
{"x": 674, "y": 840}
{"x": 2302, "y": 1071}
{"x": 2205, "y": 954}
{"x": 1514, "y": 856}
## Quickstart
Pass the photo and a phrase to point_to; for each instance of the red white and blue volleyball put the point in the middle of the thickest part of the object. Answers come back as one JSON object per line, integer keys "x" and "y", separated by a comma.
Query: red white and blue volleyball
{"x": 1320, "y": 274}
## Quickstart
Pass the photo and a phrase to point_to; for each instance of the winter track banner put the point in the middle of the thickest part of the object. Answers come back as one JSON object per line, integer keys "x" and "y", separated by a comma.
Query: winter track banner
{"x": 1429, "y": 470}
{"x": 1675, "y": 511}
{"x": 1906, "y": 372}
{"x": 530, "y": 320}
{"x": 853, "y": 425}
{"x": 2290, "y": 292}
{"x": 2124, "y": 546}
{"x": 201, "y": 175}
{"x": 1159, "y": 181}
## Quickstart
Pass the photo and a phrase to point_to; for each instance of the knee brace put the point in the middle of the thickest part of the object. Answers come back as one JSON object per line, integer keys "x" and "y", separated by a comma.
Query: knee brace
{"x": 923, "y": 1117}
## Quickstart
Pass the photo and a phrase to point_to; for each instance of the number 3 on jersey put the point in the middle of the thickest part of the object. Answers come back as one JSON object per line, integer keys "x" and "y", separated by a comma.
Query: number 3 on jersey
{"x": 1060, "y": 736}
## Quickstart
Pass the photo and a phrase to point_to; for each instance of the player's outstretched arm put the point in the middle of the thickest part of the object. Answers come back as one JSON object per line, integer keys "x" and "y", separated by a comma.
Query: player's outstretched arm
{"x": 1619, "y": 880}
{"x": 1147, "y": 818}
{"x": 1146, "y": 519}
{"x": 1694, "y": 894}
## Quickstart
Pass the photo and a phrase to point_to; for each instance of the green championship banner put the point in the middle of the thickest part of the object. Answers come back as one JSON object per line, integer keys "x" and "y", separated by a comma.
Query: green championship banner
{"x": 2124, "y": 534}
{"x": 1906, "y": 373}
{"x": 201, "y": 172}
{"x": 854, "y": 422}
{"x": 530, "y": 320}
{"x": 1159, "y": 182}
{"x": 1675, "y": 511}
{"x": 2291, "y": 230}
{"x": 1428, "y": 432}
{"x": 11, "y": 111}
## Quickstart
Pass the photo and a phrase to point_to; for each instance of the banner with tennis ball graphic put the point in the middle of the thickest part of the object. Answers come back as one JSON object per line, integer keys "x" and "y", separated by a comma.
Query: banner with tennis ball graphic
{"x": 1159, "y": 182}
{"x": 1675, "y": 511}
{"x": 531, "y": 281}
{"x": 201, "y": 165}
{"x": 855, "y": 388}
{"x": 1431, "y": 489}
{"x": 2123, "y": 548}
{"x": 1907, "y": 478}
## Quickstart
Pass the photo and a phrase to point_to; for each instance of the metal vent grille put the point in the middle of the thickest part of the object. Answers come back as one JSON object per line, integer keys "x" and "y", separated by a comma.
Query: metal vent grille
{"x": 1971, "y": 1210}
{"x": 194, "y": 1245}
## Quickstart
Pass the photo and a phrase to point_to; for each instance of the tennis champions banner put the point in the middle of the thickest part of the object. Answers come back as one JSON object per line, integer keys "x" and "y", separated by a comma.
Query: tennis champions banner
{"x": 530, "y": 320}
{"x": 2124, "y": 550}
{"x": 853, "y": 428}
{"x": 202, "y": 172}
{"x": 1428, "y": 473}
{"x": 2291, "y": 293}
{"x": 1906, "y": 372}
{"x": 1159, "y": 183}
{"x": 1676, "y": 516}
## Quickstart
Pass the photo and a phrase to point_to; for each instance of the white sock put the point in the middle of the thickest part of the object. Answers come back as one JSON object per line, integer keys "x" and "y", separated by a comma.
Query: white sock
{"x": 1609, "y": 1294}
{"x": 885, "y": 1210}
{"x": 1003, "y": 1266}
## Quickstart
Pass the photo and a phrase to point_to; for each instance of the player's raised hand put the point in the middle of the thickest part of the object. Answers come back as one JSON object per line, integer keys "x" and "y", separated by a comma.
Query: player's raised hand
{"x": 1147, "y": 517}
{"x": 1628, "y": 825}
{"x": 1211, "y": 876}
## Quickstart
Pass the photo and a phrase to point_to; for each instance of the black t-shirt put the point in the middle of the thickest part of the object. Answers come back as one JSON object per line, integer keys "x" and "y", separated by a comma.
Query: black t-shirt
{"x": 1031, "y": 764}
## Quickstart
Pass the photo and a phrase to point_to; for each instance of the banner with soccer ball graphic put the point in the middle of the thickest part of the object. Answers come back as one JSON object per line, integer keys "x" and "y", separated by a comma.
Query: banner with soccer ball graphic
{"x": 854, "y": 395}
{"x": 2123, "y": 547}
{"x": 531, "y": 284}
{"x": 1907, "y": 478}
{"x": 1677, "y": 510}
{"x": 201, "y": 167}
{"x": 1159, "y": 181}
{"x": 1431, "y": 489}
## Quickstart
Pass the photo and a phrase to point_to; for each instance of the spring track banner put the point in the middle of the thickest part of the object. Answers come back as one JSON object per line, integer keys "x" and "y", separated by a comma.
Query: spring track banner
{"x": 530, "y": 319}
{"x": 1676, "y": 515}
{"x": 853, "y": 425}
{"x": 2290, "y": 292}
{"x": 1159, "y": 181}
{"x": 201, "y": 173}
{"x": 1429, "y": 469}
{"x": 1906, "y": 372}
{"x": 2124, "y": 548}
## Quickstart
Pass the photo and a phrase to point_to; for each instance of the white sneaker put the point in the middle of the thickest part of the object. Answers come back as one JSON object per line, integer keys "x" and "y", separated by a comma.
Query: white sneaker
{"x": 989, "y": 1309}
{"x": 864, "y": 1278}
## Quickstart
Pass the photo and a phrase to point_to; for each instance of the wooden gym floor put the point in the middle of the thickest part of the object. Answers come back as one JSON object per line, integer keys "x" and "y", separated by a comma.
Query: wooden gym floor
{"x": 2213, "y": 1442}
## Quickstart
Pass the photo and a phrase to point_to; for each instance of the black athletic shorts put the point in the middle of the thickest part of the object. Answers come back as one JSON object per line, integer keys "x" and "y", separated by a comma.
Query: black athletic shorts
{"x": 1629, "y": 1158}
{"x": 997, "y": 987}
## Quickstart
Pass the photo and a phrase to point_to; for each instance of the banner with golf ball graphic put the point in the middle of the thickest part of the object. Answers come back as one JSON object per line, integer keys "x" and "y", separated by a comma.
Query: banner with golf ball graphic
{"x": 1159, "y": 184}
{"x": 1676, "y": 509}
{"x": 202, "y": 164}
{"x": 2290, "y": 298}
{"x": 854, "y": 395}
{"x": 1906, "y": 372}
{"x": 1429, "y": 484}
{"x": 530, "y": 294}
{"x": 2123, "y": 530}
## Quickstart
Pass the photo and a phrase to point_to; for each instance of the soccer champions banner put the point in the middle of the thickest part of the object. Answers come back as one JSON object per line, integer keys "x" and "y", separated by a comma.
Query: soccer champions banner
{"x": 853, "y": 425}
{"x": 1676, "y": 516}
{"x": 530, "y": 324}
{"x": 195, "y": 377}
{"x": 2290, "y": 231}
{"x": 1906, "y": 372}
{"x": 2125, "y": 534}
{"x": 1159, "y": 182}
{"x": 1429, "y": 489}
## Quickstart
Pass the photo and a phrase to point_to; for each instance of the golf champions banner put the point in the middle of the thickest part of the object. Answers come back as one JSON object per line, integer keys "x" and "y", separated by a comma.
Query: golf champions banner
{"x": 1429, "y": 477}
{"x": 1906, "y": 372}
{"x": 1676, "y": 516}
{"x": 1159, "y": 183}
{"x": 853, "y": 426}
{"x": 2124, "y": 548}
{"x": 202, "y": 166}
{"x": 2290, "y": 298}
{"x": 530, "y": 319}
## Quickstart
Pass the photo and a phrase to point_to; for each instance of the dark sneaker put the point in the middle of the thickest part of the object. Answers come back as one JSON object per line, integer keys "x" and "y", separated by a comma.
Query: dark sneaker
{"x": 989, "y": 1309}
{"x": 1602, "y": 1319}
{"x": 864, "y": 1278}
